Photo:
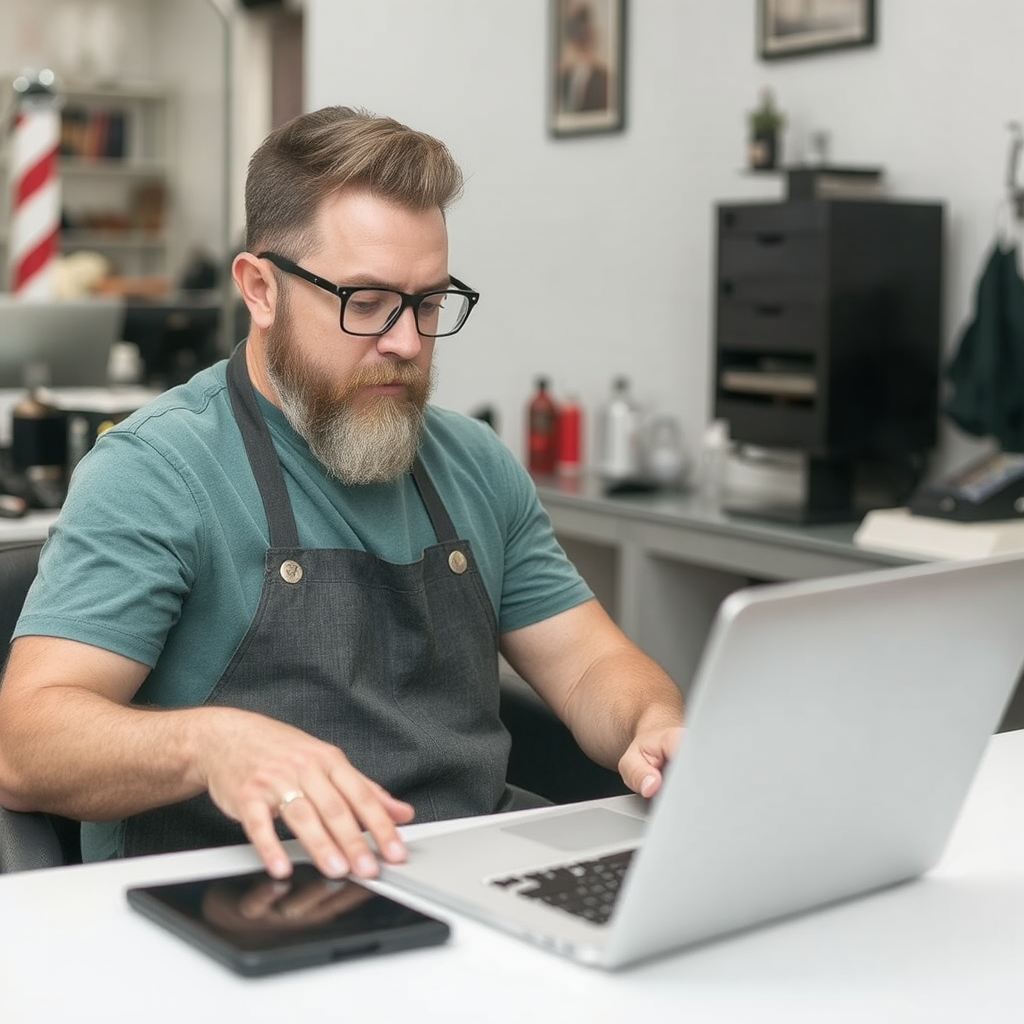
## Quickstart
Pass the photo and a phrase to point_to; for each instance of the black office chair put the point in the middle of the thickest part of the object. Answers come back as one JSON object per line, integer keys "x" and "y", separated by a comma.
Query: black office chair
{"x": 28, "y": 841}
{"x": 545, "y": 758}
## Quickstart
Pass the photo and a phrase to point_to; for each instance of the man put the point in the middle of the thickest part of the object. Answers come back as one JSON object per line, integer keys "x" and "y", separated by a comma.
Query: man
{"x": 279, "y": 590}
{"x": 584, "y": 82}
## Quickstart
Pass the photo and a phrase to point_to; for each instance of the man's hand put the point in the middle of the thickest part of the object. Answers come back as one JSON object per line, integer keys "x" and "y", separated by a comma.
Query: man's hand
{"x": 642, "y": 764}
{"x": 256, "y": 769}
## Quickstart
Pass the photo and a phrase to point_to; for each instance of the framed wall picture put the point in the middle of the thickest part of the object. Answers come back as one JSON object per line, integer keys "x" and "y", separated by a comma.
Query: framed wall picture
{"x": 792, "y": 28}
{"x": 586, "y": 78}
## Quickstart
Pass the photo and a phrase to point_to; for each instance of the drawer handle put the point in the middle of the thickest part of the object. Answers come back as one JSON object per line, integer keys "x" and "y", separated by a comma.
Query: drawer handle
{"x": 770, "y": 239}
{"x": 768, "y": 310}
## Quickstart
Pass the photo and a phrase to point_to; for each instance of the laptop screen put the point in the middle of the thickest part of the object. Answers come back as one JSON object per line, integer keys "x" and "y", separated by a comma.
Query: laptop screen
{"x": 63, "y": 343}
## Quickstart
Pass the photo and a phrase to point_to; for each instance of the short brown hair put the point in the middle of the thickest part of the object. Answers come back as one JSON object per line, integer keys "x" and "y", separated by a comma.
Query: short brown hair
{"x": 315, "y": 155}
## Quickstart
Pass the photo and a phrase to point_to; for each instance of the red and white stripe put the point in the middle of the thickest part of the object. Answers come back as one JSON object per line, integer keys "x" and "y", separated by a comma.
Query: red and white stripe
{"x": 35, "y": 201}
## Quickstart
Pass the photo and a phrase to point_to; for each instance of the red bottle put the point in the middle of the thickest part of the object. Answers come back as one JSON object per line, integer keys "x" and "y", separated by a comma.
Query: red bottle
{"x": 570, "y": 429}
{"x": 541, "y": 430}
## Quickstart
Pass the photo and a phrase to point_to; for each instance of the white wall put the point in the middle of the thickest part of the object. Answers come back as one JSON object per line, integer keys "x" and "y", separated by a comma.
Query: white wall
{"x": 610, "y": 238}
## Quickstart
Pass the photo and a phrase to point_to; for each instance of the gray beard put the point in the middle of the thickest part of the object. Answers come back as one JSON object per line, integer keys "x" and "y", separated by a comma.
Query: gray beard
{"x": 375, "y": 444}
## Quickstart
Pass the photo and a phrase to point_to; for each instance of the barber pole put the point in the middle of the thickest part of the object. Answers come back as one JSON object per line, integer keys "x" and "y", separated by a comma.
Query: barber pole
{"x": 35, "y": 187}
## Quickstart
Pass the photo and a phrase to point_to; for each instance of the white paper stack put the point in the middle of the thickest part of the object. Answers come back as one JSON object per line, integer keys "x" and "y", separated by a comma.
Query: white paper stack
{"x": 897, "y": 529}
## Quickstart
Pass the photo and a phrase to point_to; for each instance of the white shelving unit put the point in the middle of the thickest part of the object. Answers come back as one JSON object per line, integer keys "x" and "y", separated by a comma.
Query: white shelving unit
{"x": 115, "y": 175}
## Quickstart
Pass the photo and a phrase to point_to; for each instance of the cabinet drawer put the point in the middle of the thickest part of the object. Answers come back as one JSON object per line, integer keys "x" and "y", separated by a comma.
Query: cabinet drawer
{"x": 784, "y": 290}
{"x": 771, "y": 254}
{"x": 771, "y": 326}
{"x": 774, "y": 425}
{"x": 756, "y": 218}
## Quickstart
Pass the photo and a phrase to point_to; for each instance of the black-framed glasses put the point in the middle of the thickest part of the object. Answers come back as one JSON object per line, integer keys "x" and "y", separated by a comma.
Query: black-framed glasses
{"x": 369, "y": 312}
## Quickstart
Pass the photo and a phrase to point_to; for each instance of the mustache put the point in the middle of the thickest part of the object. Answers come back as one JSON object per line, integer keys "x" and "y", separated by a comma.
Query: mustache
{"x": 381, "y": 374}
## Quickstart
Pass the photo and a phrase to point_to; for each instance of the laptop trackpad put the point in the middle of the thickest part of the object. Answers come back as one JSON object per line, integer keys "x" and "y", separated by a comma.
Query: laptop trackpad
{"x": 581, "y": 830}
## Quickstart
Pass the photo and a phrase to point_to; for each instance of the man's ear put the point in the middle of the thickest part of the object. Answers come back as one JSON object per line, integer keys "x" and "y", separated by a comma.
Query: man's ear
{"x": 258, "y": 287}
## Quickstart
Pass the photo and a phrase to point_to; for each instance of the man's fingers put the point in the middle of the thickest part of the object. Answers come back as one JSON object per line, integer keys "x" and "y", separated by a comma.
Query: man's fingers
{"x": 642, "y": 764}
{"x": 401, "y": 811}
{"x": 335, "y": 811}
{"x": 334, "y": 852}
{"x": 638, "y": 773}
{"x": 258, "y": 822}
{"x": 376, "y": 810}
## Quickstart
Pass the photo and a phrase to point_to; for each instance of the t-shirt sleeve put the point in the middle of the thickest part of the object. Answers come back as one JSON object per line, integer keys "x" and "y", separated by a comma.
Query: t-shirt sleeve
{"x": 539, "y": 580}
{"x": 122, "y": 555}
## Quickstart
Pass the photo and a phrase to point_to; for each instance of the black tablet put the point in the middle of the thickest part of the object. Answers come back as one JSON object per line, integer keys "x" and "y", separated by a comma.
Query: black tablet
{"x": 257, "y": 925}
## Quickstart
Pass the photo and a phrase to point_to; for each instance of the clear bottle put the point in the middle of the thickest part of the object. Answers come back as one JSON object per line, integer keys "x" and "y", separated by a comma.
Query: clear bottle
{"x": 666, "y": 456}
{"x": 619, "y": 434}
{"x": 715, "y": 447}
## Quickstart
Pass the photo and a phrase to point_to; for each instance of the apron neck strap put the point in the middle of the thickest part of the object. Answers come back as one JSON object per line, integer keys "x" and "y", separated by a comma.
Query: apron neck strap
{"x": 444, "y": 528}
{"x": 259, "y": 447}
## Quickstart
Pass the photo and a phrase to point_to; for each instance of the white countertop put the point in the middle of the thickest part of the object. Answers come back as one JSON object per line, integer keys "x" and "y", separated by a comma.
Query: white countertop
{"x": 948, "y": 948}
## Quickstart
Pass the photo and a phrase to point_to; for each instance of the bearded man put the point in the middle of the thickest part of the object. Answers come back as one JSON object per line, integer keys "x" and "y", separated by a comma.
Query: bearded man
{"x": 273, "y": 602}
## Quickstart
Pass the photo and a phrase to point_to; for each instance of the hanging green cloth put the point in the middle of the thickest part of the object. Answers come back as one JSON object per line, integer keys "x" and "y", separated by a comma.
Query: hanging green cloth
{"x": 987, "y": 371}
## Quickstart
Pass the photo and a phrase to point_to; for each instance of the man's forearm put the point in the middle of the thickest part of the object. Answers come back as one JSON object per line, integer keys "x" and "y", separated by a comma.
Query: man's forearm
{"x": 621, "y": 695}
{"x": 77, "y": 753}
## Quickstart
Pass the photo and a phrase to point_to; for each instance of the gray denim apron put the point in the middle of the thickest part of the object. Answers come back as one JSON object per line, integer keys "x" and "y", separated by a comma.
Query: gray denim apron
{"x": 395, "y": 664}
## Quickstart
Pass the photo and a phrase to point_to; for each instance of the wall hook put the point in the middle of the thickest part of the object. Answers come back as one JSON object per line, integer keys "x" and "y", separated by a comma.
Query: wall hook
{"x": 1016, "y": 191}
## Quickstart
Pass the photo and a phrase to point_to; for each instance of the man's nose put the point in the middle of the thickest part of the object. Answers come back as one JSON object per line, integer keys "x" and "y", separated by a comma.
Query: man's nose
{"x": 403, "y": 339}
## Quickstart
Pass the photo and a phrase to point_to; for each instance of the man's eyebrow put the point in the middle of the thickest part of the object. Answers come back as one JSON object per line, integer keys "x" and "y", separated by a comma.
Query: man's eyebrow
{"x": 367, "y": 281}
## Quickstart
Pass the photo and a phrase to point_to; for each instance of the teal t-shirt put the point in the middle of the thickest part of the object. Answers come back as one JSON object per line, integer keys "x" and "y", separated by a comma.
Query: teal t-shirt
{"x": 159, "y": 549}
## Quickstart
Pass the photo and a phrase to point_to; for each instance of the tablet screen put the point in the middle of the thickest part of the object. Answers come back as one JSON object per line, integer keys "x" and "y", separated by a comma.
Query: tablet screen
{"x": 257, "y": 924}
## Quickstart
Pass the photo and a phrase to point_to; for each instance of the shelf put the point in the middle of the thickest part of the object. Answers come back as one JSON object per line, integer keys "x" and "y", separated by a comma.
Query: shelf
{"x": 828, "y": 181}
{"x": 769, "y": 384}
{"x": 103, "y": 167}
{"x": 844, "y": 170}
{"x": 84, "y": 167}
{"x": 137, "y": 90}
{"x": 126, "y": 240}
{"x": 112, "y": 239}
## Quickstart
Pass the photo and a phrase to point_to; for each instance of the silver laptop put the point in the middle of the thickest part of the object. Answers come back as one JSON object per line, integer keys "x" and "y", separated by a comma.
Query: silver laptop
{"x": 832, "y": 733}
{"x": 69, "y": 338}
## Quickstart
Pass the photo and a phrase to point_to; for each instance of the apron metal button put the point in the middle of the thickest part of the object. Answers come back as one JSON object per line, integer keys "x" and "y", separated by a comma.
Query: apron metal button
{"x": 291, "y": 572}
{"x": 457, "y": 562}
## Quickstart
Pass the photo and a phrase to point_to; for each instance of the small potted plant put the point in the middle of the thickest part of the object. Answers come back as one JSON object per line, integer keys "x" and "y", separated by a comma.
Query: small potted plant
{"x": 766, "y": 122}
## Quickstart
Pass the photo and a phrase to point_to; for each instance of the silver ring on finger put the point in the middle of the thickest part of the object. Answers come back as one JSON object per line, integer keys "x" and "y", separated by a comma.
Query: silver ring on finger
{"x": 289, "y": 796}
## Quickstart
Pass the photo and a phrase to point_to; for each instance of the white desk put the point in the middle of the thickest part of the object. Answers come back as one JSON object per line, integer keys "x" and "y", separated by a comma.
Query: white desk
{"x": 945, "y": 949}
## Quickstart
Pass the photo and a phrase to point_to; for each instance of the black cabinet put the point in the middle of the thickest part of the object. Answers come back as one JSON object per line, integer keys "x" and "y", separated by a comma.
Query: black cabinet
{"x": 827, "y": 332}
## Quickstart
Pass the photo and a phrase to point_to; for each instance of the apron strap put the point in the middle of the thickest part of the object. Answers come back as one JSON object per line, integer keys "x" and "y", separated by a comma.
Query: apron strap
{"x": 444, "y": 528}
{"x": 259, "y": 446}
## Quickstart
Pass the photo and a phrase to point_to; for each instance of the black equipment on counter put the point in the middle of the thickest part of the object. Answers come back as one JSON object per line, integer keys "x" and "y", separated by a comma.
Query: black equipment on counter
{"x": 989, "y": 489}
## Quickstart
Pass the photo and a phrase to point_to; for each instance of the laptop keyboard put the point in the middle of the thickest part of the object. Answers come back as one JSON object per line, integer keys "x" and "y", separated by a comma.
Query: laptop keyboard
{"x": 585, "y": 888}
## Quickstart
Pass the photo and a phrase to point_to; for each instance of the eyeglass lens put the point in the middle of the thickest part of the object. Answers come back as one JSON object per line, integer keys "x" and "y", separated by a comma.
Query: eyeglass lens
{"x": 369, "y": 311}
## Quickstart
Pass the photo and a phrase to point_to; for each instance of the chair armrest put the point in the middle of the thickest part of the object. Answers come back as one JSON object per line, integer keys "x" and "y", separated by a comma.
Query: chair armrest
{"x": 29, "y": 841}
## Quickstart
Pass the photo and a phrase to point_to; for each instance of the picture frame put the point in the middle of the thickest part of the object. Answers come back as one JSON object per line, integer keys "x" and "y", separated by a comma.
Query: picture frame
{"x": 795, "y": 28}
{"x": 587, "y": 67}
